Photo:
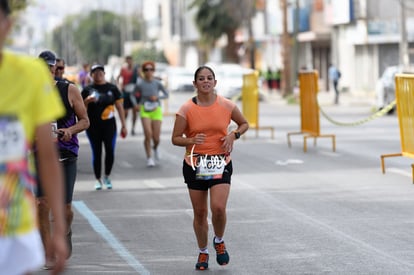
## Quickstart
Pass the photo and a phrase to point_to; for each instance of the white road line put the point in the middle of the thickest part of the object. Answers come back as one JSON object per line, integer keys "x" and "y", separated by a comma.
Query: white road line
{"x": 399, "y": 171}
{"x": 107, "y": 235}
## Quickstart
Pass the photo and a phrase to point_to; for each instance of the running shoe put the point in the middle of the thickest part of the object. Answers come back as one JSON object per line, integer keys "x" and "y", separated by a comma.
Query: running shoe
{"x": 156, "y": 155}
{"x": 107, "y": 183}
{"x": 202, "y": 261}
{"x": 98, "y": 185}
{"x": 222, "y": 256}
{"x": 150, "y": 162}
{"x": 49, "y": 265}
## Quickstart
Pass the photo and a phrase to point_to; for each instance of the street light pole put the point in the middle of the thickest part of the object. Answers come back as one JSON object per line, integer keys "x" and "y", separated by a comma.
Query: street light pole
{"x": 404, "y": 57}
{"x": 286, "y": 83}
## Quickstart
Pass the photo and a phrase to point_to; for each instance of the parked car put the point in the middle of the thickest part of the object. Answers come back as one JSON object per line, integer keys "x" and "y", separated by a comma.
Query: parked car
{"x": 229, "y": 79}
{"x": 179, "y": 79}
{"x": 385, "y": 88}
{"x": 160, "y": 72}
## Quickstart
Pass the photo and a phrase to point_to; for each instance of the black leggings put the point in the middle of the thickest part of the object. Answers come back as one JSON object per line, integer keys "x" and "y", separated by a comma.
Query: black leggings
{"x": 98, "y": 133}
{"x": 69, "y": 165}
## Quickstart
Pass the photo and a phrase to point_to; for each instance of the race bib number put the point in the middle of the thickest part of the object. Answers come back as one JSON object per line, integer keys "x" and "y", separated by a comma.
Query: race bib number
{"x": 54, "y": 131}
{"x": 210, "y": 167}
{"x": 12, "y": 139}
{"x": 150, "y": 106}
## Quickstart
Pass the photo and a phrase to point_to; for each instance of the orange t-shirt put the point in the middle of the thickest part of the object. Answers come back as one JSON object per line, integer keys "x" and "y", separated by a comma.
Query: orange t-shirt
{"x": 213, "y": 121}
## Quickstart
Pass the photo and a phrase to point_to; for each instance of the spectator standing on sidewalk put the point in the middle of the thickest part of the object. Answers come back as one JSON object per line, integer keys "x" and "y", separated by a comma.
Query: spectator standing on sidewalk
{"x": 67, "y": 127}
{"x": 101, "y": 98}
{"x": 26, "y": 110}
{"x": 201, "y": 126}
{"x": 334, "y": 76}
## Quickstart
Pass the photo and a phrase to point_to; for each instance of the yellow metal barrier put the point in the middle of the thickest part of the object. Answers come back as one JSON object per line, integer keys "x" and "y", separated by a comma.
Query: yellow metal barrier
{"x": 404, "y": 93}
{"x": 309, "y": 109}
{"x": 250, "y": 102}
{"x": 166, "y": 109}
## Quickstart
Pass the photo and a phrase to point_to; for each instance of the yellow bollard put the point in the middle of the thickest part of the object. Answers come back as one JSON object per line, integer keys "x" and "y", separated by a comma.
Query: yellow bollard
{"x": 250, "y": 102}
{"x": 309, "y": 110}
{"x": 404, "y": 94}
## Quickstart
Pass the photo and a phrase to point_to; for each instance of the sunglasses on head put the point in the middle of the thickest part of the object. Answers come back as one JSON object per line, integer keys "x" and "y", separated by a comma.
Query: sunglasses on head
{"x": 148, "y": 69}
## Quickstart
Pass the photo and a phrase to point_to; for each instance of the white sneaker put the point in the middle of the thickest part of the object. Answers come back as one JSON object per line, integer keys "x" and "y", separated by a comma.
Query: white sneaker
{"x": 150, "y": 162}
{"x": 156, "y": 155}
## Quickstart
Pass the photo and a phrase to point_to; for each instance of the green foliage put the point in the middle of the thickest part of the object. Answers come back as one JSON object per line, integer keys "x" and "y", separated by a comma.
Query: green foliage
{"x": 18, "y": 5}
{"x": 211, "y": 20}
{"x": 215, "y": 18}
{"x": 63, "y": 39}
{"x": 141, "y": 55}
{"x": 92, "y": 37}
{"x": 97, "y": 36}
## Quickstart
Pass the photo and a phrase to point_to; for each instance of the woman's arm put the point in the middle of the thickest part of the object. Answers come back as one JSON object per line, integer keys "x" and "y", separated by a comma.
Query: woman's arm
{"x": 242, "y": 127}
{"x": 121, "y": 112}
{"x": 240, "y": 120}
{"x": 51, "y": 178}
{"x": 179, "y": 139}
{"x": 79, "y": 108}
{"x": 163, "y": 90}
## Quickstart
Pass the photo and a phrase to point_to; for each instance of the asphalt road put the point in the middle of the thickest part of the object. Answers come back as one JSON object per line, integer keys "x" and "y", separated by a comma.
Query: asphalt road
{"x": 289, "y": 212}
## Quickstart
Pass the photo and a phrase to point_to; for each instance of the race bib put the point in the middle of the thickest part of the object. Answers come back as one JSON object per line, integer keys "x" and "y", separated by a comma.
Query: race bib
{"x": 210, "y": 167}
{"x": 12, "y": 139}
{"x": 54, "y": 130}
{"x": 150, "y": 106}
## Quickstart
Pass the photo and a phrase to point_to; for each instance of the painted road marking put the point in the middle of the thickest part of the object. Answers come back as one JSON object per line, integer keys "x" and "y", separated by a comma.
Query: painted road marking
{"x": 288, "y": 161}
{"x": 102, "y": 230}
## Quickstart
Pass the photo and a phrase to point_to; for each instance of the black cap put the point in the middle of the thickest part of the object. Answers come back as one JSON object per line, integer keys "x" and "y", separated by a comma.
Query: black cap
{"x": 4, "y": 5}
{"x": 97, "y": 67}
{"x": 48, "y": 57}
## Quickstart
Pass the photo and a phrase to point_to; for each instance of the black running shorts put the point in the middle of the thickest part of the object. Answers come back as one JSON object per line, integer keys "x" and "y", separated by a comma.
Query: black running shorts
{"x": 192, "y": 183}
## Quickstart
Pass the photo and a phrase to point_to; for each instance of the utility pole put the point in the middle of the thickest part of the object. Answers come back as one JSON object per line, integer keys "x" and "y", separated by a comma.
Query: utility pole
{"x": 286, "y": 82}
{"x": 404, "y": 57}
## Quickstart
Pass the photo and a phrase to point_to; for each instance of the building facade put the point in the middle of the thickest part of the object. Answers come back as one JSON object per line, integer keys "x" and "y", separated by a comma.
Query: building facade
{"x": 361, "y": 37}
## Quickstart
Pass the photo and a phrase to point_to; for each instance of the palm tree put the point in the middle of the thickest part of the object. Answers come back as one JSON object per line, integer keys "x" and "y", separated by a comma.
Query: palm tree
{"x": 217, "y": 17}
{"x": 18, "y": 5}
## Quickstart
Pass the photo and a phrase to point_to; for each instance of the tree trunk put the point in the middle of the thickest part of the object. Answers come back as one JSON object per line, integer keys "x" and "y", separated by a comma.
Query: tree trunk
{"x": 231, "y": 55}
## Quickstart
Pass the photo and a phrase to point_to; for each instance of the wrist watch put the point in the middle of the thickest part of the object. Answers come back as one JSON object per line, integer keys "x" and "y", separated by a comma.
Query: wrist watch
{"x": 236, "y": 134}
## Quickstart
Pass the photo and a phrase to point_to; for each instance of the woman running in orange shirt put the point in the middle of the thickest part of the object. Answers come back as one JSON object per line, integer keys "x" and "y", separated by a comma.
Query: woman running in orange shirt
{"x": 201, "y": 126}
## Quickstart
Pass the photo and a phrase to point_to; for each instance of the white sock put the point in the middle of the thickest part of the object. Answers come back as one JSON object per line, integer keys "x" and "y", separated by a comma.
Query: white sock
{"x": 218, "y": 240}
{"x": 204, "y": 250}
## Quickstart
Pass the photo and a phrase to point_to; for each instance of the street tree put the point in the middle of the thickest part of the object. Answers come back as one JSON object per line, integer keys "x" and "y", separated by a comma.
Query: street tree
{"x": 63, "y": 40}
{"x": 94, "y": 37}
{"x": 144, "y": 54}
{"x": 215, "y": 18}
{"x": 18, "y": 5}
{"x": 97, "y": 36}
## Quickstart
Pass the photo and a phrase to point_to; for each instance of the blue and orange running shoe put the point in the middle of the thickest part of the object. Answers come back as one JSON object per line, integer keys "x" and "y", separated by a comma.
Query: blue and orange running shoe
{"x": 202, "y": 262}
{"x": 222, "y": 256}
